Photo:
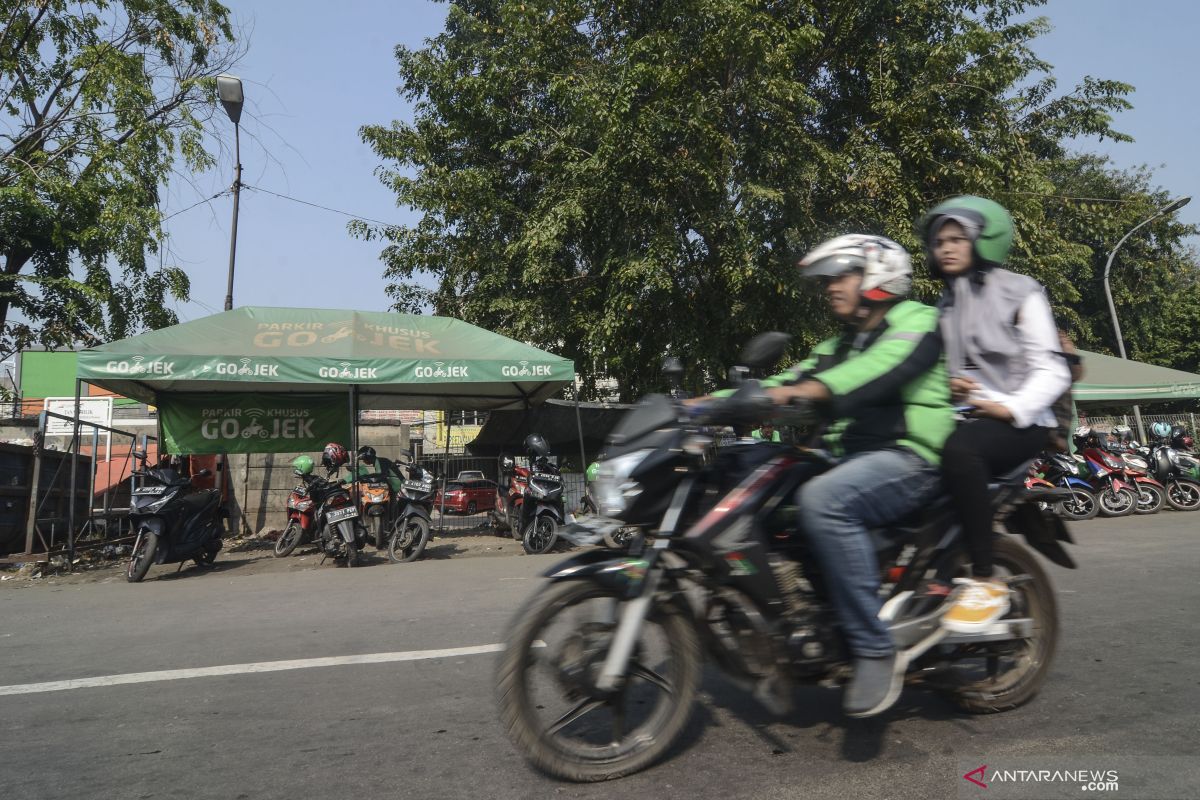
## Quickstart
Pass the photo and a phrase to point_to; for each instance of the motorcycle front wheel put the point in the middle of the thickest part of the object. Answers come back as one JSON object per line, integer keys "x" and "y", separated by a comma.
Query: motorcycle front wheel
{"x": 288, "y": 540}
{"x": 559, "y": 720}
{"x": 540, "y": 535}
{"x": 1082, "y": 505}
{"x": 1183, "y": 495}
{"x": 408, "y": 542}
{"x": 1120, "y": 503}
{"x": 142, "y": 557}
{"x": 378, "y": 531}
{"x": 1150, "y": 499}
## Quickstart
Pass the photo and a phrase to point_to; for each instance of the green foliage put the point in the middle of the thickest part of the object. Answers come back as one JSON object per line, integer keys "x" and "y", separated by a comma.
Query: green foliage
{"x": 617, "y": 180}
{"x": 98, "y": 101}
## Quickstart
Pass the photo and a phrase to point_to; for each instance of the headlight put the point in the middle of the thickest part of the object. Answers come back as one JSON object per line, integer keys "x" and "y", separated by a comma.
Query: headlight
{"x": 613, "y": 488}
{"x": 535, "y": 490}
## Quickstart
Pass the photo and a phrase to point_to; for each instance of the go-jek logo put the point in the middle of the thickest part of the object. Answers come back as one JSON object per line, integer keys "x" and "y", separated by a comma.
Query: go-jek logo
{"x": 442, "y": 370}
{"x": 244, "y": 368}
{"x": 345, "y": 371}
{"x": 525, "y": 370}
{"x": 138, "y": 365}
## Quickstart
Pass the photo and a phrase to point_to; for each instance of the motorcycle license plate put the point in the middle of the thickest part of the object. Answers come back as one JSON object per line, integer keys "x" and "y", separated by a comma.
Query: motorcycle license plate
{"x": 150, "y": 490}
{"x": 417, "y": 486}
{"x": 542, "y": 476}
{"x": 342, "y": 513}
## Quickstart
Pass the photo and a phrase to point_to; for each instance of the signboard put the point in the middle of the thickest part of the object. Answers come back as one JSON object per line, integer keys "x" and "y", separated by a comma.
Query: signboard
{"x": 96, "y": 410}
{"x": 247, "y": 423}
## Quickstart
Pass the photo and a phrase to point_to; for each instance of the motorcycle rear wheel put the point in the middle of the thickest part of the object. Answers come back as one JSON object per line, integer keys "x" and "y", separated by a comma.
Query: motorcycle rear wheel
{"x": 141, "y": 558}
{"x": 1030, "y": 659}
{"x": 288, "y": 540}
{"x": 592, "y": 739}
{"x": 378, "y": 531}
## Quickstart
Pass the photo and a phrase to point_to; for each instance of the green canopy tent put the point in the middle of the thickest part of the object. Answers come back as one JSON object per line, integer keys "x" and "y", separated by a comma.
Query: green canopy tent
{"x": 262, "y": 380}
{"x": 1108, "y": 379}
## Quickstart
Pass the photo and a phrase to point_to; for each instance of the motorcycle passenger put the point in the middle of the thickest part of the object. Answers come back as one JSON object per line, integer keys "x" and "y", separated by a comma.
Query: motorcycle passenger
{"x": 1002, "y": 354}
{"x": 882, "y": 382}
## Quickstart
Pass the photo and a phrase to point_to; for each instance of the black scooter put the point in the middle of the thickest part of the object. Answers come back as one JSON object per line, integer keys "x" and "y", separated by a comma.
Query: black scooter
{"x": 411, "y": 526}
{"x": 173, "y": 522}
{"x": 541, "y": 512}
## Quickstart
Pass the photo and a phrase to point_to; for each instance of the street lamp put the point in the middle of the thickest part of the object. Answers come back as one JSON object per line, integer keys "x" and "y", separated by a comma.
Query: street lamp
{"x": 1174, "y": 205}
{"x": 229, "y": 89}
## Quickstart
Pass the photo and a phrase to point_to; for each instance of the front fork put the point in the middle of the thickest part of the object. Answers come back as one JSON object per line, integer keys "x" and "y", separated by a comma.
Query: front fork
{"x": 629, "y": 626}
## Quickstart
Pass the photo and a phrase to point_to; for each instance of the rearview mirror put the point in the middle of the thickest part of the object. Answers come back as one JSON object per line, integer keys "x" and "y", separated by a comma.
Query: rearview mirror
{"x": 140, "y": 455}
{"x": 764, "y": 350}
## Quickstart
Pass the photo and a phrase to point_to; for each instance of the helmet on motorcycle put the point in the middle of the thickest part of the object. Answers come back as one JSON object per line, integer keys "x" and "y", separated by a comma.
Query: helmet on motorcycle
{"x": 506, "y": 462}
{"x": 592, "y": 471}
{"x": 1187, "y": 442}
{"x": 302, "y": 465}
{"x": 885, "y": 265}
{"x": 1178, "y": 432}
{"x": 536, "y": 443}
{"x": 334, "y": 456}
{"x": 366, "y": 454}
{"x": 986, "y": 222}
{"x": 1160, "y": 429}
{"x": 1122, "y": 431}
{"x": 1082, "y": 432}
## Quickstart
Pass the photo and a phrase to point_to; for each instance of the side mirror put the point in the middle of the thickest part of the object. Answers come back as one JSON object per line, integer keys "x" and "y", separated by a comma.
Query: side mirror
{"x": 140, "y": 455}
{"x": 764, "y": 350}
{"x": 672, "y": 368}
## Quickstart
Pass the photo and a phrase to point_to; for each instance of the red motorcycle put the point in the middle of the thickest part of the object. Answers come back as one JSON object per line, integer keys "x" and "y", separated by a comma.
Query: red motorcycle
{"x": 1115, "y": 491}
{"x": 510, "y": 495}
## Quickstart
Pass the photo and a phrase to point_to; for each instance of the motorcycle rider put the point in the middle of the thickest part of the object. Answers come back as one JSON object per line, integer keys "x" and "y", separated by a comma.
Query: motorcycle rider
{"x": 1003, "y": 357}
{"x": 882, "y": 382}
{"x": 369, "y": 463}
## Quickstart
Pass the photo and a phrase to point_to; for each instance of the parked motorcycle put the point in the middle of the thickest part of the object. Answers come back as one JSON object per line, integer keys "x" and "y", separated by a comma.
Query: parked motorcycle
{"x": 1114, "y": 490}
{"x": 411, "y": 527}
{"x": 1060, "y": 470}
{"x": 510, "y": 495}
{"x": 321, "y": 509}
{"x": 375, "y": 505}
{"x": 173, "y": 522}
{"x": 1175, "y": 470}
{"x": 602, "y": 666}
{"x": 540, "y": 513}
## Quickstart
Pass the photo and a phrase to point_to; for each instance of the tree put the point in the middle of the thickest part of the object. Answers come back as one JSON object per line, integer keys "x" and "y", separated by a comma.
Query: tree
{"x": 99, "y": 101}
{"x": 621, "y": 179}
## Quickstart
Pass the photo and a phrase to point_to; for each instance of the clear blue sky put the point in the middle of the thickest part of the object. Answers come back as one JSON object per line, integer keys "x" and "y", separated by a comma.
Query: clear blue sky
{"x": 316, "y": 71}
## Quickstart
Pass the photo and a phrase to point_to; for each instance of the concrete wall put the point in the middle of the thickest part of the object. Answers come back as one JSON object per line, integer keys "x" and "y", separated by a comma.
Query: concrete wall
{"x": 262, "y": 482}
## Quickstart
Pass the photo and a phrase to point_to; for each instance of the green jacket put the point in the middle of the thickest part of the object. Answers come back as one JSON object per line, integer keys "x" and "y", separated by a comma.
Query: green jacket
{"x": 889, "y": 385}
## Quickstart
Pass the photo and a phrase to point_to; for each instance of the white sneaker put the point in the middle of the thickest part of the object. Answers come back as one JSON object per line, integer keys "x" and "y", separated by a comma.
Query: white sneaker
{"x": 981, "y": 601}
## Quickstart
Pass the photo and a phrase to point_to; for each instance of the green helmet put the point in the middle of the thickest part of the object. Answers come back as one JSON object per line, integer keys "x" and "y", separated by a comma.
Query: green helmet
{"x": 985, "y": 221}
{"x": 303, "y": 465}
{"x": 592, "y": 471}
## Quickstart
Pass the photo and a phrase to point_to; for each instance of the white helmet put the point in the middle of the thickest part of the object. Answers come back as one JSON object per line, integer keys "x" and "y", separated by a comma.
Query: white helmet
{"x": 1082, "y": 431}
{"x": 886, "y": 266}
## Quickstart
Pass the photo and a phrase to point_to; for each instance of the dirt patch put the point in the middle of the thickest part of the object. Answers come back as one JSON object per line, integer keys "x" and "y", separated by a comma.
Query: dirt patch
{"x": 247, "y": 556}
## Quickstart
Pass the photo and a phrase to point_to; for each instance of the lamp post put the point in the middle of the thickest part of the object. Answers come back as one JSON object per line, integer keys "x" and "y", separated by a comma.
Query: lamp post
{"x": 1174, "y": 205}
{"x": 229, "y": 89}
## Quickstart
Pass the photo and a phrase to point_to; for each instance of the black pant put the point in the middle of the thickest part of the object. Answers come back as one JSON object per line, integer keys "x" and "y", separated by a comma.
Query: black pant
{"x": 977, "y": 451}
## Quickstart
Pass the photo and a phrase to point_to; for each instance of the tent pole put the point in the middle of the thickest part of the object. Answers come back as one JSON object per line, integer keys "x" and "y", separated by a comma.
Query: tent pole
{"x": 579, "y": 430}
{"x": 354, "y": 444}
{"x": 72, "y": 497}
{"x": 445, "y": 469}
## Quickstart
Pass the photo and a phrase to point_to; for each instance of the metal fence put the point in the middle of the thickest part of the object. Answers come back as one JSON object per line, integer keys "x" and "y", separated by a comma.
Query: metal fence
{"x": 1108, "y": 422}
{"x": 446, "y": 469}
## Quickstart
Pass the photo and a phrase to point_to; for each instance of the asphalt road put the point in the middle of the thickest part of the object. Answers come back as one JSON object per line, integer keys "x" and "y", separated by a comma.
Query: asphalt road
{"x": 1123, "y": 692}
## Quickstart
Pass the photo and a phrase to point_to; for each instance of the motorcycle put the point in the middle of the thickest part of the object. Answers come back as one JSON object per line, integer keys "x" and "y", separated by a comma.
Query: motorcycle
{"x": 1114, "y": 491}
{"x": 410, "y": 530}
{"x": 172, "y": 522}
{"x": 1061, "y": 471}
{"x": 303, "y": 504}
{"x": 510, "y": 495}
{"x": 540, "y": 514}
{"x": 375, "y": 505}
{"x": 1175, "y": 470}
{"x": 601, "y": 667}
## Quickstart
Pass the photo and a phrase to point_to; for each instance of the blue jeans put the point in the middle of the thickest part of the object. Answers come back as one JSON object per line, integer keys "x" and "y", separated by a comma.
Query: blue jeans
{"x": 837, "y": 508}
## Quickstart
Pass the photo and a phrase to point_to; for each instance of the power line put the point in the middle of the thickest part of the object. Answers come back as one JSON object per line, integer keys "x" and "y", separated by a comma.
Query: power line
{"x": 197, "y": 203}
{"x": 323, "y": 208}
